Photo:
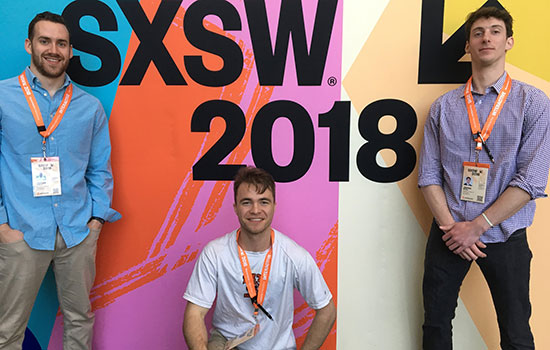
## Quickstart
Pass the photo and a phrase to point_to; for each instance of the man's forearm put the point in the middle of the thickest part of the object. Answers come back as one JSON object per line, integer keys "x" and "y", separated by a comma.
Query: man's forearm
{"x": 195, "y": 335}
{"x": 435, "y": 197}
{"x": 506, "y": 205}
{"x": 194, "y": 328}
{"x": 320, "y": 327}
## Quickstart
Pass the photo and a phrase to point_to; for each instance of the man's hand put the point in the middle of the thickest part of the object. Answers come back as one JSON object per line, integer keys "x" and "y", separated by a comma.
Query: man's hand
{"x": 95, "y": 225}
{"x": 9, "y": 235}
{"x": 464, "y": 235}
{"x": 473, "y": 252}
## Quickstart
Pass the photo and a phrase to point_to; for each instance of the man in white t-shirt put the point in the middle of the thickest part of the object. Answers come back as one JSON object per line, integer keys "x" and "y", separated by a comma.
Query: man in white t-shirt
{"x": 251, "y": 273}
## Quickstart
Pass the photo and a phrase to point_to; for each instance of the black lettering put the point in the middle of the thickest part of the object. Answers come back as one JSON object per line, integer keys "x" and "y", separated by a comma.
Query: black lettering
{"x": 304, "y": 140}
{"x": 209, "y": 167}
{"x": 207, "y": 41}
{"x": 338, "y": 121}
{"x": 151, "y": 47}
{"x": 309, "y": 65}
{"x": 105, "y": 50}
{"x": 406, "y": 119}
{"x": 439, "y": 63}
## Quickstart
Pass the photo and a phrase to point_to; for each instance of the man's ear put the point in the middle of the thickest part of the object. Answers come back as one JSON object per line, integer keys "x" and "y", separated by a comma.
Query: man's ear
{"x": 28, "y": 46}
{"x": 509, "y": 43}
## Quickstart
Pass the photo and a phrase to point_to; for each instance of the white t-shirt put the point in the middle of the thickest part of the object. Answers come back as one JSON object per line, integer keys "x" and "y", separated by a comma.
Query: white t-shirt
{"x": 218, "y": 272}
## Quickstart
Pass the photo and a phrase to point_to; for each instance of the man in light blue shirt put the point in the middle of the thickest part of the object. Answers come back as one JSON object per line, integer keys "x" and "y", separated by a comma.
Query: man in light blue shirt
{"x": 55, "y": 187}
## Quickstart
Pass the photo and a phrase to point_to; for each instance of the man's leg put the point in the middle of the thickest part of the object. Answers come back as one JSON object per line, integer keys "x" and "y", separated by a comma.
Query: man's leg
{"x": 507, "y": 271}
{"x": 22, "y": 270}
{"x": 444, "y": 272}
{"x": 74, "y": 270}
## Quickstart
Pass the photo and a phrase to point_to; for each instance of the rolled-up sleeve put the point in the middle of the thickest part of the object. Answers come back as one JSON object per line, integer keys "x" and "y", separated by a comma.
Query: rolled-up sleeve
{"x": 429, "y": 169}
{"x": 533, "y": 159}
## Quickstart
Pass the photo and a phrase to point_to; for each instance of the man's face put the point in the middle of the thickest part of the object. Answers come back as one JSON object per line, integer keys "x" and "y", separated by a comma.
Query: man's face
{"x": 50, "y": 49}
{"x": 488, "y": 43}
{"x": 254, "y": 210}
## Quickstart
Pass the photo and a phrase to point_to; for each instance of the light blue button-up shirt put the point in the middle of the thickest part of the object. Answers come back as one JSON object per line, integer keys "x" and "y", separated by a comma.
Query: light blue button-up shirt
{"x": 81, "y": 141}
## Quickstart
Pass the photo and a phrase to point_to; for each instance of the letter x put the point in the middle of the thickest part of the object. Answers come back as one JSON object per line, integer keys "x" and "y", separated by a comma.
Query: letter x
{"x": 151, "y": 47}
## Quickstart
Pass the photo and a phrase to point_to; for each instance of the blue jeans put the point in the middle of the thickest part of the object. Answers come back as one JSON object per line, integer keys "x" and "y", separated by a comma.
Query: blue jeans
{"x": 506, "y": 270}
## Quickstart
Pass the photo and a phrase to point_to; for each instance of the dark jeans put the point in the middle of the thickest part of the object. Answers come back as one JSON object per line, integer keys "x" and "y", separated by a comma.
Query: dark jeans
{"x": 506, "y": 270}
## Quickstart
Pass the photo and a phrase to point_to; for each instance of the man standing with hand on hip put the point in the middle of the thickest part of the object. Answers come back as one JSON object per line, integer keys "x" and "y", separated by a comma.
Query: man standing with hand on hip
{"x": 56, "y": 187}
{"x": 495, "y": 131}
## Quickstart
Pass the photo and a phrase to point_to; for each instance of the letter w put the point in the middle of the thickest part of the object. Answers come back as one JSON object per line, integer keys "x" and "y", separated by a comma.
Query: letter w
{"x": 309, "y": 65}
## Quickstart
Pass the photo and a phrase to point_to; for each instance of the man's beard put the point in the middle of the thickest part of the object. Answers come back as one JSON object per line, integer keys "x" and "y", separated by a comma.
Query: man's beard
{"x": 49, "y": 73}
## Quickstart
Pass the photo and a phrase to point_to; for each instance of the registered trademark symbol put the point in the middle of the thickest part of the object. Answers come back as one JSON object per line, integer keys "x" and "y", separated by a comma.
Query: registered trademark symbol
{"x": 332, "y": 81}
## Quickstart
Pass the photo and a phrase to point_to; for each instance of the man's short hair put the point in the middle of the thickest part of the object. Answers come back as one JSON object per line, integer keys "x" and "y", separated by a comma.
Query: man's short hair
{"x": 489, "y": 12}
{"x": 254, "y": 176}
{"x": 46, "y": 16}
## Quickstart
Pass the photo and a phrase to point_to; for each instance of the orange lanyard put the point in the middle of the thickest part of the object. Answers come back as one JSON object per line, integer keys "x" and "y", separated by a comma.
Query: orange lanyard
{"x": 31, "y": 100}
{"x": 481, "y": 136}
{"x": 257, "y": 297}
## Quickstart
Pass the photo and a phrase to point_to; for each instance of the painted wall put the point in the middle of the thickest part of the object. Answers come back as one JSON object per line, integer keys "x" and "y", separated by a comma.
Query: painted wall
{"x": 335, "y": 113}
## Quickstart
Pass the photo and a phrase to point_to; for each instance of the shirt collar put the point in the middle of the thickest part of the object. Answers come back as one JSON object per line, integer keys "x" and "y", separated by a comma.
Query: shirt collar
{"x": 36, "y": 82}
{"x": 497, "y": 86}
{"x": 499, "y": 83}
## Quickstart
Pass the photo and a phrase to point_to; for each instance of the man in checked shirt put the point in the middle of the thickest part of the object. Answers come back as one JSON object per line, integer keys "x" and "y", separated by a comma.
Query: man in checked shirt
{"x": 496, "y": 131}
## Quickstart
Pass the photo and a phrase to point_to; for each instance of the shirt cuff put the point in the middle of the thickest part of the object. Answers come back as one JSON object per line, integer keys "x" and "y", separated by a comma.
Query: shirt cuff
{"x": 429, "y": 180}
{"x": 108, "y": 214}
{"x": 533, "y": 191}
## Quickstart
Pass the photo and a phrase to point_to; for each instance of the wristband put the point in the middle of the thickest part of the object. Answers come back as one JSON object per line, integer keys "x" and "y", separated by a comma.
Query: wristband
{"x": 102, "y": 221}
{"x": 487, "y": 219}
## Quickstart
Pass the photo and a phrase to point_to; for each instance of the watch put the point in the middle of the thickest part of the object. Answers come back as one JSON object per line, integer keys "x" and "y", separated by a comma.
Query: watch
{"x": 102, "y": 221}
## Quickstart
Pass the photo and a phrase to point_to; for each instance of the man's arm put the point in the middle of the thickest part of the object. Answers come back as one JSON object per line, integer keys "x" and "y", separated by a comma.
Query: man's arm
{"x": 460, "y": 235}
{"x": 194, "y": 328}
{"x": 320, "y": 327}
{"x": 98, "y": 175}
{"x": 435, "y": 197}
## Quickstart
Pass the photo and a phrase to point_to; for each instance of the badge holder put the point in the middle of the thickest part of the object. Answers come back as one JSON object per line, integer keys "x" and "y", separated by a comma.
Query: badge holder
{"x": 249, "y": 334}
{"x": 46, "y": 176}
{"x": 474, "y": 179}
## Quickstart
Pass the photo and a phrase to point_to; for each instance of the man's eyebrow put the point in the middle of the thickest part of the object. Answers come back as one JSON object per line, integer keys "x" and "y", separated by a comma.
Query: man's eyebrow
{"x": 492, "y": 26}
{"x": 48, "y": 38}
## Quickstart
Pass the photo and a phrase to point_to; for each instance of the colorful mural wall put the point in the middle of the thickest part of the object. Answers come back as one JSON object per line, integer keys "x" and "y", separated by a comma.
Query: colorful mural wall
{"x": 330, "y": 96}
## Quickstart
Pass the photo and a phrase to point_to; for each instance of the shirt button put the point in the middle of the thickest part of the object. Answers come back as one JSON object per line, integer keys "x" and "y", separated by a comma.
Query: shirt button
{"x": 45, "y": 94}
{"x": 55, "y": 205}
{"x": 52, "y": 138}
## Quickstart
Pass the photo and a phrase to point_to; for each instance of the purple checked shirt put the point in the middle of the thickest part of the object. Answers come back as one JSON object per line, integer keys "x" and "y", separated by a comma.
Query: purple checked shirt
{"x": 519, "y": 143}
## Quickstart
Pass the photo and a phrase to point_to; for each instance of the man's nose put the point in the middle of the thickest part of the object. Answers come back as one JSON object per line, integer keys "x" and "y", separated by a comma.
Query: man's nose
{"x": 53, "y": 48}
